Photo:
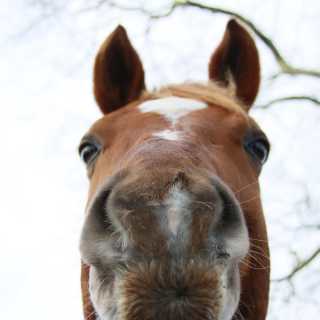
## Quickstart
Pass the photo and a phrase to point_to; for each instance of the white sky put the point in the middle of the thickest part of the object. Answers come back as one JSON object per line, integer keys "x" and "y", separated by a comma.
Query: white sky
{"x": 47, "y": 105}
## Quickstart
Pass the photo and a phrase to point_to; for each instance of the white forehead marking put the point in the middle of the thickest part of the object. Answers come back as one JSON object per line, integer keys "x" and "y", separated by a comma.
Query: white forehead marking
{"x": 172, "y": 108}
{"x": 168, "y": 135}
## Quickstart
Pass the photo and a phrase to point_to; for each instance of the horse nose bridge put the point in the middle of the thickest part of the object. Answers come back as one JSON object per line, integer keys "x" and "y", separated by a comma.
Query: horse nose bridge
{"x": 179, "y": 211}
{"x": 152, "y": 153}
{"x": 146, "y": 206}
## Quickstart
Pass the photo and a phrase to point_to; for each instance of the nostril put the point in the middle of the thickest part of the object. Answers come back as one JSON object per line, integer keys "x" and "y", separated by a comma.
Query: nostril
{"x": 232, "y": 215}
{"x": 99, "y": 208}
{"x": 96, "y": 231}
{"x": 231, "y": 230}
{"x": 221, "y": 252}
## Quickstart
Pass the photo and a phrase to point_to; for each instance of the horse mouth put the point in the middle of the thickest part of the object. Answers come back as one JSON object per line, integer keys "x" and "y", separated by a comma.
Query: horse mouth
{"x": 187, "y": 289}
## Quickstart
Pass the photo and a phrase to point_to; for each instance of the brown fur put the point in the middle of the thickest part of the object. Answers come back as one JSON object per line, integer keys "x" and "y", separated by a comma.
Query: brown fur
{"x": 154, "y": 292}
{"x": 237, "y": 60}
{"x": 225, "y": 123}
{"x": 88, "y": 310}
{"x": 118, "y": 72}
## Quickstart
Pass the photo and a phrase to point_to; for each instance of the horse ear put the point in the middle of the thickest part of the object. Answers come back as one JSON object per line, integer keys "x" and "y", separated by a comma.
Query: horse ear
{"x": 236, "y": 63}
{"x": 118, "y": 72}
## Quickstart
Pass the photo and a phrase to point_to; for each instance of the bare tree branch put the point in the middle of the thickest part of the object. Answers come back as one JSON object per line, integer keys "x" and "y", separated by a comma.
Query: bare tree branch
{"x": 140, "y": 9}
{"x": 284, "y": 65}
{"x": 300, "y": 266}
{"x": 289, "y": 98}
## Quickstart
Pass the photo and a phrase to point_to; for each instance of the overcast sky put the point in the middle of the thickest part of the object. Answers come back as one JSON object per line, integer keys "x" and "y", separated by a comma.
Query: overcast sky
{"x": 47, "y": 53}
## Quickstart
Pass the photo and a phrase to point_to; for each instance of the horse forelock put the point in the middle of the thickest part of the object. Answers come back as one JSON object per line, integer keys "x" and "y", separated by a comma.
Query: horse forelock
{"x": 210, "y": 93}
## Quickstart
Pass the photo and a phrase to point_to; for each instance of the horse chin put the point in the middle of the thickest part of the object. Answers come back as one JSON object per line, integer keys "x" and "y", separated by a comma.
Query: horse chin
{"x": 102, "y": 293}
{"x": 175, "y": 290}
{"x": 231, "y": 297}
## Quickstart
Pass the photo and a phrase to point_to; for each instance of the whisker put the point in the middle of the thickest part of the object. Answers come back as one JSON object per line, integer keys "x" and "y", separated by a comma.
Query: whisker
{"x": 259, "y": 266}
{"x": 93, "y": 313}
{"x": 246, "y": 186}
{"x": 249, "y": 200}
{"x": 258, "y": 255}
{"x": 254, "y": 239}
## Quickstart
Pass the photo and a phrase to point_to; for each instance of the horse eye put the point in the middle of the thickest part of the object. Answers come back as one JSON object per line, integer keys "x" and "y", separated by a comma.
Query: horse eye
{"x": 258, "y": 149}
{"x": 88, "y": 151}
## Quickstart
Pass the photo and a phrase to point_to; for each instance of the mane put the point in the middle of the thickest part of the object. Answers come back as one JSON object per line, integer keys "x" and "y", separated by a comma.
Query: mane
{"x": 210, "y": 93}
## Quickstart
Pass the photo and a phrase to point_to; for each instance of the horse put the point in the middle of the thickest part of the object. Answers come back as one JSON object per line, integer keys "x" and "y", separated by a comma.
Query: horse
{"x": 174, "y": 227}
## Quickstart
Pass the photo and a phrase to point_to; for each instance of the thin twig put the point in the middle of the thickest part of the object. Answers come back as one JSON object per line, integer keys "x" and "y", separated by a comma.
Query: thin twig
{"x": 284, "y": 65}
{"x": 140, "y": 9}
{"x": 300, "y": 266}
{"x": 289, "y": 98}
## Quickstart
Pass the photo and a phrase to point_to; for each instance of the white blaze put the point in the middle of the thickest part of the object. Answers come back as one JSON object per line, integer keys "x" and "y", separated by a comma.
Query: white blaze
{"x": 172, "y": 108}
{"x": 168, "y": 135}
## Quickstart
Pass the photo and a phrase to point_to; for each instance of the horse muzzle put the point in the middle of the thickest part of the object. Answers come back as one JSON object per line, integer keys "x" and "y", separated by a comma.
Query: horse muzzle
{"x": 174, "y": 239}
